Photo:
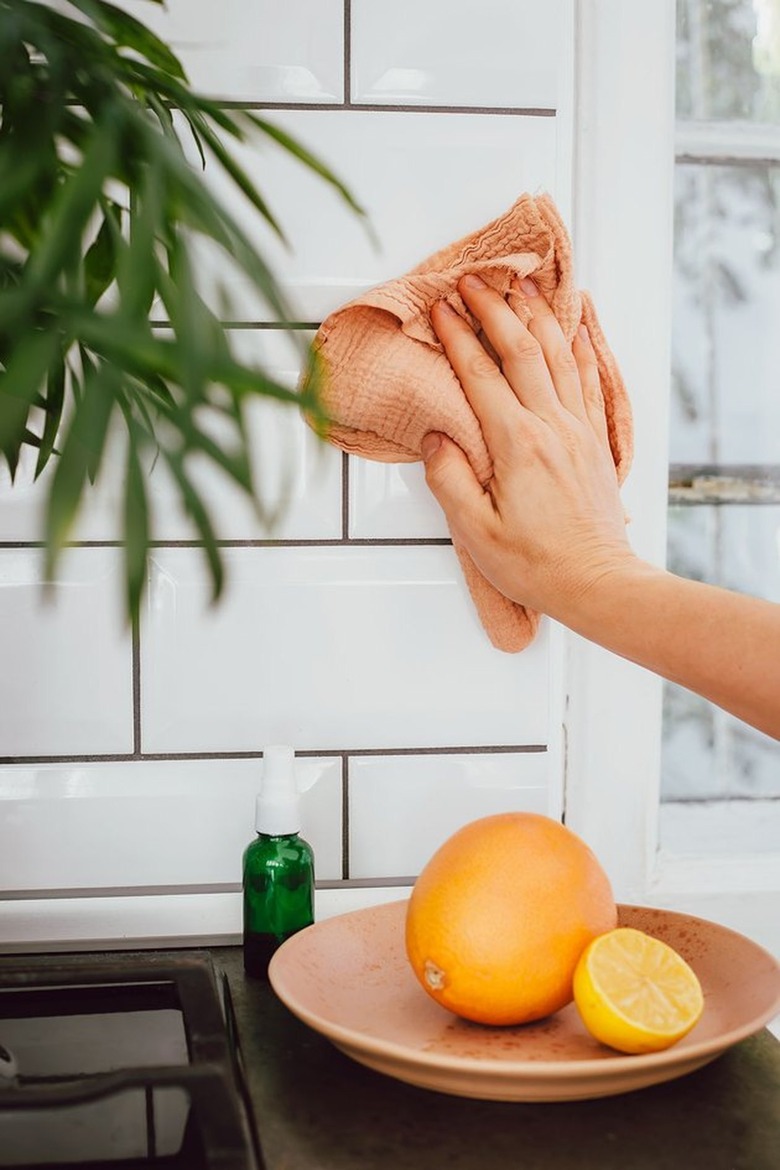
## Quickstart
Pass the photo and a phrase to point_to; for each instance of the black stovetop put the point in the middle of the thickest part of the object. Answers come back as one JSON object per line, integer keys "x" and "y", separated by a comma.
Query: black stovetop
{"x": 121, "y": 1061}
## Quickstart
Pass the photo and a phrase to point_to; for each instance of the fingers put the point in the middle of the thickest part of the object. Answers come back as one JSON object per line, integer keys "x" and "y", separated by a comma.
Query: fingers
{"x": 539, "y": 368}
{"x": 452, "y": 481}
{"x": 488, "y": 392}
{"x": 522, "y": 358}
{"x": 562, "y": 367}
{"x": 592, "y": 396}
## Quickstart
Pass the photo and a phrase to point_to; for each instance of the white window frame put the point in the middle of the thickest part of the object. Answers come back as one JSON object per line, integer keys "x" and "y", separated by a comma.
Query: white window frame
{"x": 623, "y": 220}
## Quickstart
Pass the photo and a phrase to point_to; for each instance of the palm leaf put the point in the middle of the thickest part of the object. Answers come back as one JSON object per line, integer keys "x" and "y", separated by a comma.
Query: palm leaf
{"x": 80, "y": 457}
{"x": 54, "y": 402}
{"x": 128, "y": 32}
{"x": 100, "y": 211}
{"x": 195, "y": 508}
{"x": 136, "y": 522}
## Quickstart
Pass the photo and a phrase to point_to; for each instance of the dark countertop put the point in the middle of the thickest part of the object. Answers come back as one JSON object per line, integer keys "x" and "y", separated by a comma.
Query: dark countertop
{"x": 316, "y": 1109}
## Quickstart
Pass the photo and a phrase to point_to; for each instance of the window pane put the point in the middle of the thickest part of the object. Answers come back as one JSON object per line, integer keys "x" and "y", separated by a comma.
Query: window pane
{"x": 728, "y": 60}
{"x": 726, "y": 344}
{"x": 706, "y": 753}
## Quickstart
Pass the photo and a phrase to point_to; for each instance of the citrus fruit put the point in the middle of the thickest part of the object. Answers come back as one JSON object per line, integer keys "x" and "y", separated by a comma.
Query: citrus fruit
{"x": 500, "y": 915}
{"x": 635, "y": 992}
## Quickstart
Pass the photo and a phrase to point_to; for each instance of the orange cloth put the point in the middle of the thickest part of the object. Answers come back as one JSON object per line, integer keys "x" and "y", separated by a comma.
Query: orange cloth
{"x": 388, "y": 383}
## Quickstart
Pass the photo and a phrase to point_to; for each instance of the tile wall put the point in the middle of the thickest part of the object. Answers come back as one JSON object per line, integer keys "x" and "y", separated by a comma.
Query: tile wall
{"x": 128, "y": 765}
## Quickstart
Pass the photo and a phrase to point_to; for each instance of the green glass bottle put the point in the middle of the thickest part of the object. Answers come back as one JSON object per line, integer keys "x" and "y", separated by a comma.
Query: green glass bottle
{"x": 278, "y": 866}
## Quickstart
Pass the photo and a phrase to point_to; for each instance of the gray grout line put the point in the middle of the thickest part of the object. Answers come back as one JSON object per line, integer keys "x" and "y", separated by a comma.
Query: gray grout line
{"x": 347, "y": 53}
{"x": 281, "y": 326}
{"x": 365, "y": 883}
{"x": 334, "y": 542}
{"x": 345, "y": 469}
{"x": 345, "y": 816}
{"x": 306, "y": 753}
{"x": 399, "y": 108}
{"x": 136, "y": 674}
{"x": 471, "y": 749}
{"x": 83, "y": 893}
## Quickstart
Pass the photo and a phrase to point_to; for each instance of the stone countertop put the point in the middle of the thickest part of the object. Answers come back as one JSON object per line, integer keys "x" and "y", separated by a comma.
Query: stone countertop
{"x": 316, "y": 1109}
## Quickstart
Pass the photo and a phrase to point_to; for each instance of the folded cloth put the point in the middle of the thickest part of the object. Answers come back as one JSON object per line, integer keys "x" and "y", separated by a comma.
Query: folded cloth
{"x": 387, "y": 381}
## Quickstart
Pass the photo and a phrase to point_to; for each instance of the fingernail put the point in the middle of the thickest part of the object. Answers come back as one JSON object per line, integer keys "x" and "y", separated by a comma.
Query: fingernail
{"x": 528, "y": 287}
{"x": 583, "y": 334}
{"x": 474, "y": 281}
{"x": 430, "y": 445}
{"x": 445, "y": 307}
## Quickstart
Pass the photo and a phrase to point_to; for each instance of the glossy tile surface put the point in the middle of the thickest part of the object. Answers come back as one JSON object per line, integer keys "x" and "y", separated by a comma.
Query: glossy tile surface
{"x": 424, "y": 180}
{"x": 266, "y": 50}
{"x": 401, "y": 808}
{"x": 437, "y": 53}
{"x": 392, "y": 500}
{"x": 95, "y": 820}
{"x": 297, "y": 476}
{"x": 66, "y": 682}
{"x": 23, "y": 502}
{"x": 330, "y": 648}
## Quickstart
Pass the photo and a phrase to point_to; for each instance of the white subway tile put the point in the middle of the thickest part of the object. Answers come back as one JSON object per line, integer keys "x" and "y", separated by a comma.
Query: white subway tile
{"x": 254, "y": 50}
{"x": 437, "y": 53}
{"x": 392, "y": 500}
{"x": 147, "y": 823}
{"x": 401, "y": 808}
{"x": 298, "y": 481}
{"x": 425, "y": 179}
{"x": 66, "y": 682}
{"x": 23, "y": 502}
{"x": 298, "y": 477}
{"x": 345, "y": 647}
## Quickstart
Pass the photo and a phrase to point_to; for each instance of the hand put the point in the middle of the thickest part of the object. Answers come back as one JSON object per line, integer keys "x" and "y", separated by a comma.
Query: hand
{"x": 550, "y": 523}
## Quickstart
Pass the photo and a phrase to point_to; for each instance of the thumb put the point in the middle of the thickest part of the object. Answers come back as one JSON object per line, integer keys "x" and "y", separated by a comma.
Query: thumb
{"x": 450, "y": 477}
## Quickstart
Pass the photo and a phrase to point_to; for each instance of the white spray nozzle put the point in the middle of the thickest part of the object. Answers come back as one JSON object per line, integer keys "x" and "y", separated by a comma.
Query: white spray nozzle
{"x": 278, "y": 804}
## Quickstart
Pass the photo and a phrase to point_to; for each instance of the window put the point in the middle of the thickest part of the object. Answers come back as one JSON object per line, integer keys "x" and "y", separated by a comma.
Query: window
{"x": 724, "y": 516}
{"x": 708, "y": 851}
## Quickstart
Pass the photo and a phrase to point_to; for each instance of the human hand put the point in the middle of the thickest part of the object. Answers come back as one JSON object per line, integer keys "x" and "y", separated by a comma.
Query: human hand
{"x": 550, "y": 523}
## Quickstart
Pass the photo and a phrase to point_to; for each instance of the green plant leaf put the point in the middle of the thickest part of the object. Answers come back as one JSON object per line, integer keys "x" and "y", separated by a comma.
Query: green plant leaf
{"x": 194, "y": 205}
{"x": 136, "y": 269}
{"x": 136, "y": 522}
{"x": 20, "y": 385}
{"x": 310, "y": 160}
{"x": 98, "y": 196}
{"x": 238, "y": 175}
{"x": 125, "y": 30}
{"x": 79, "y": 458}
{"x": 195, "y": 508}
{"x": 53, "y": 404}
{"x": 100, "y": 261}
{"x": 72, "y": 207}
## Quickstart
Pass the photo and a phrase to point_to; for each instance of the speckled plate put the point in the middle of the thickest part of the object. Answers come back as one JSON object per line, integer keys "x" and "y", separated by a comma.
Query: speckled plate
{"x": 348, "y": 978}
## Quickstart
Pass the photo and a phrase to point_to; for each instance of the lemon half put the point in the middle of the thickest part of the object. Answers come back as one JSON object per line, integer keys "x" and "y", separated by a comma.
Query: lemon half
{"x": 636, "y": 993}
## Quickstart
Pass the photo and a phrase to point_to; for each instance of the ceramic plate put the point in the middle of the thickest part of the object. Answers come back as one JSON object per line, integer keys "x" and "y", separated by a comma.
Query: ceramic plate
{"x": 348, "y": 978}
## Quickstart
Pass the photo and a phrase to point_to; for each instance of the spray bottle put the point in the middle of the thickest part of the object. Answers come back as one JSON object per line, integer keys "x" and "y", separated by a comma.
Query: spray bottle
{"x": 278, "y": 866}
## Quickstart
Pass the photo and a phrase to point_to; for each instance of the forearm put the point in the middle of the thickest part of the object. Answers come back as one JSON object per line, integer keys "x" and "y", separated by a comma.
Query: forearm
{"x": 723, "y": 645}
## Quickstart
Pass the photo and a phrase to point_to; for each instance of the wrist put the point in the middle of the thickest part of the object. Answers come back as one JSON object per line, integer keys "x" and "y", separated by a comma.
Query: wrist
{"x": 604, "y": 593}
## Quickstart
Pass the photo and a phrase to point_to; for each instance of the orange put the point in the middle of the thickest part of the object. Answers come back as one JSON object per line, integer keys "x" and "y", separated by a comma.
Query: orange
{"x": 635, "y": 992}
{"x": 500, "y": 915}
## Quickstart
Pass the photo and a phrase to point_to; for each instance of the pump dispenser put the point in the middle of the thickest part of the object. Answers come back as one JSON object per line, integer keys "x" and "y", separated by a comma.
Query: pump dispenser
{"x": 278, "y": 866}
{"x": 278, "y": 805}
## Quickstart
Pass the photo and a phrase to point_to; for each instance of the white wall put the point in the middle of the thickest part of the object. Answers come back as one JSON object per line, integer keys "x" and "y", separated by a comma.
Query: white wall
{"x": 128, "y": 769}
